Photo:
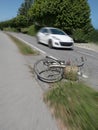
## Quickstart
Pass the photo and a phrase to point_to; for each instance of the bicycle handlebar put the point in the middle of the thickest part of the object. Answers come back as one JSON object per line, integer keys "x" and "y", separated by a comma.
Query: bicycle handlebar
{"x": 59, "y": 61}
{"x": 68, "y": 62}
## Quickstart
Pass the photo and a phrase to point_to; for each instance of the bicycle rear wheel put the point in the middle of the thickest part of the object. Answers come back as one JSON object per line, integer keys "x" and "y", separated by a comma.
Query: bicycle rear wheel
{"x": 46, "y": 73}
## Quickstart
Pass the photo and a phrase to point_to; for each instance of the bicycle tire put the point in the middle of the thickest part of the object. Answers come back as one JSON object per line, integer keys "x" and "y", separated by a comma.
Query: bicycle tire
{"x": 47, "y": 74}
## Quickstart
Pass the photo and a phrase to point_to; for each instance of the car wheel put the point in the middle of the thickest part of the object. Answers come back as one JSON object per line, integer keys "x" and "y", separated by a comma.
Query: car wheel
{"x": 50, "y": 44}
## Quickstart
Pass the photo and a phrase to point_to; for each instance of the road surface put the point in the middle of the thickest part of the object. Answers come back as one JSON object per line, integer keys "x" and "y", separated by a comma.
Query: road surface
{"x": 21, "y": 98}
{"x": 91, "y": 65}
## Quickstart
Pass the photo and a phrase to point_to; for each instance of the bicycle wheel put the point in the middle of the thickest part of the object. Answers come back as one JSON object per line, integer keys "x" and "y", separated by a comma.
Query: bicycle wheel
{"x": 46, "y": 73}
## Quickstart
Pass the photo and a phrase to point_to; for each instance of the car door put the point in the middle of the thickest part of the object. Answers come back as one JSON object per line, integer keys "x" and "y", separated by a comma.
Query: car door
{"x": 41, "y": 35}
{"x": 44, "y": 36}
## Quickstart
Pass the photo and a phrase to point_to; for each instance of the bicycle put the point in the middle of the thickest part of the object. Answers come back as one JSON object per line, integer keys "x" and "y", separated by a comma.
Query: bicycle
{"x": 51, "y": 70}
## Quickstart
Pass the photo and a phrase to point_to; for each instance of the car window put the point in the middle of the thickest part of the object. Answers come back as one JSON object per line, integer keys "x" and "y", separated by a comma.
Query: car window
{"x": 57, "y": 31}
{"x": 44, "y": 30}
{"x": 41, "y": 30}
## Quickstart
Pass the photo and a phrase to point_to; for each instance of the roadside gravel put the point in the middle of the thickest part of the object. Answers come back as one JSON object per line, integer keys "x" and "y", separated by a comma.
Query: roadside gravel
{"x": 89, "y": 46}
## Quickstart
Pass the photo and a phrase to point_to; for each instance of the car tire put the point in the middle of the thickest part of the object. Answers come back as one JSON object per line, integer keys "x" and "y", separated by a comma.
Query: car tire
{"x": 50, "y": 44}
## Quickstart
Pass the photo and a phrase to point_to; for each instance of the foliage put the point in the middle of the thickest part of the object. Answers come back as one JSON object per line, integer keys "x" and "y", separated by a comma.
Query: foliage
{"x": 94, "y": 36}
{"x": 31, "y": 30}
{"x": 17, "y": 22}
{"x": 72, "y": 16}
{"x": 5, "y": 24}
{"x": 23, "y": 10}
{"x": 20, "y": 21}
{"x": 10, "y": 29}
{"x": 24, "y": 30}
{"x": 79, "y": 35}
{"x": 75, "y": 104}
{"x": 68, "y": 15}
{"x": 25, "y": 7}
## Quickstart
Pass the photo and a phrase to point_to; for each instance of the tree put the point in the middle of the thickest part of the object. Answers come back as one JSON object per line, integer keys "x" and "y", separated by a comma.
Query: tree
{"x": 20, "y": 21}
{"x": 25, "y": 7}
{"x": 23, "y": 10}
{"x": 69, "y": 15}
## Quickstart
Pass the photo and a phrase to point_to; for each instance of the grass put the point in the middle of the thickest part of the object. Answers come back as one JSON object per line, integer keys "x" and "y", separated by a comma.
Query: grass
{"x": 23, "y": 48}
{"x": 31, "y": 30}
{"x": 10, "y": 29}
{"x": 75, "y": 104}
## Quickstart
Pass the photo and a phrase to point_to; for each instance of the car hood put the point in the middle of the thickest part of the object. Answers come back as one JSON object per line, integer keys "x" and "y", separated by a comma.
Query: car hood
{"x": 63, "y": 38}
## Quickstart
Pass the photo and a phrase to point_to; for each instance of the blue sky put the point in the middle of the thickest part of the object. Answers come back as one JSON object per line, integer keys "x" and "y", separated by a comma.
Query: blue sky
{"x": 94, "y": 12}
{"x": 9, "y": 8}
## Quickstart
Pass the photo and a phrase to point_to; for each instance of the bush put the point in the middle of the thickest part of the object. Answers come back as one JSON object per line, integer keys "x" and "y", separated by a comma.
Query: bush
{"x": 94, "y": 36}
{"x": 24, "y": 30}
{"x": 31, "y": 30}
{"x": 79, "y": 36}
{"x": 10, "y": 29}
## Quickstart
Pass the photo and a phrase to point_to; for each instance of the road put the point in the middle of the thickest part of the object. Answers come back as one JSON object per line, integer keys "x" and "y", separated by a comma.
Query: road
{"x": 91, "y": 66}
{"x": 21, "y": 98}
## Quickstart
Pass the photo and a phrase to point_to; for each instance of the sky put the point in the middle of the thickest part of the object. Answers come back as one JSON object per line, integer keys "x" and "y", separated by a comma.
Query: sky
{"x": 94, "y": 12}
{"x": 9, "y": 9}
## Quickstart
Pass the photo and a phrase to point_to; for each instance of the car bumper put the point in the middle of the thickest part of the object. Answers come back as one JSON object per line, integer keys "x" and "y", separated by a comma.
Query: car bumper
{"x": 63, "y": 45}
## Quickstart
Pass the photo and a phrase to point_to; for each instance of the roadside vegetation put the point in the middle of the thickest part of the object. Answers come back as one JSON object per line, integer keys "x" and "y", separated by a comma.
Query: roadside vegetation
{"x": 94, "y": 37}
{"x": 31, "y": 30}
{"x": 68, "y": 15}
{"x": 75, "y": 104}
{"x": 23, "y": 48}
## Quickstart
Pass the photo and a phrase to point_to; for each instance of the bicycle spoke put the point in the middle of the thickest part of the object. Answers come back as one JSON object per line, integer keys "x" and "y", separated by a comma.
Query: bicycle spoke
{"x": 45, "y": 73}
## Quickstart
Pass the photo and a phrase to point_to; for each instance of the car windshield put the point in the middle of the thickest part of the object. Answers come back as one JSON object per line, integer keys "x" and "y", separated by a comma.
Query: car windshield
{"x": 57, "y": 31}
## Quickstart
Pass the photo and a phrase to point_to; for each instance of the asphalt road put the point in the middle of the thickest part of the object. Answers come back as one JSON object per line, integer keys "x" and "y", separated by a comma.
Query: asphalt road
{"x": 21, "y": 98}
{"x": 91, "y": 64}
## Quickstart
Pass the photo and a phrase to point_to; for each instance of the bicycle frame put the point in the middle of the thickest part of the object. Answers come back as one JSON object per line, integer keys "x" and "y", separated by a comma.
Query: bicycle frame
{"x": 51, "y": 69}
{"x": 63, "y": 65}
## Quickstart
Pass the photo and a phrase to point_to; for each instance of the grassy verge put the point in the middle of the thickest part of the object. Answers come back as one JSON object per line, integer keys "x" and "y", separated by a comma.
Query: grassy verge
{"x": 31, "y": 30}
{"x": 23, "y": 48}
{"x": 75, "y": 104}
{"x": 10, "y": 29}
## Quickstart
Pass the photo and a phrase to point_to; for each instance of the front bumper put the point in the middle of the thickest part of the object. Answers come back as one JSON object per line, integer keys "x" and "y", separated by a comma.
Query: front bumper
{"x": 63, "y": 44}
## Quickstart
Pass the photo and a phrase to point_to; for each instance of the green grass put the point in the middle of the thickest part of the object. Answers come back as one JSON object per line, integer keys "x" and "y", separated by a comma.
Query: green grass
{"x": 23, "y": 48}
{"x": 75, "y": 104}
{"x": 10, "y": 29}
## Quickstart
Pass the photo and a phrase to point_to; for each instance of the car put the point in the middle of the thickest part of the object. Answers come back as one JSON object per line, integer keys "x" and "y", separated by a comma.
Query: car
{"x": 54, "y": 38}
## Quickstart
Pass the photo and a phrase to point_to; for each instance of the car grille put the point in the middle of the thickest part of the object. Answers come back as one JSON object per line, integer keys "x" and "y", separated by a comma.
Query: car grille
{"x": 66, "y": 43}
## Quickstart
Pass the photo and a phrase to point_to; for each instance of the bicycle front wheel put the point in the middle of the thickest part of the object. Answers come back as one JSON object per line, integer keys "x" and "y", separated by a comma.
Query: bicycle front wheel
{"x": 46, "y": 73}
